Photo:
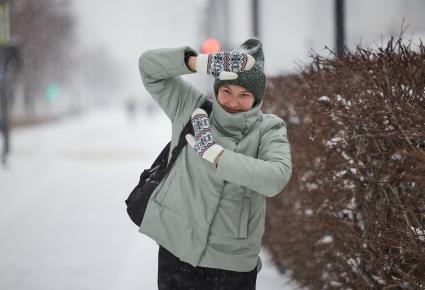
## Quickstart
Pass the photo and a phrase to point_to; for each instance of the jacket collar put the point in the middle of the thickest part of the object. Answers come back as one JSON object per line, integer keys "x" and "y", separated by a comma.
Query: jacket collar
{"x": 235, "y": 125}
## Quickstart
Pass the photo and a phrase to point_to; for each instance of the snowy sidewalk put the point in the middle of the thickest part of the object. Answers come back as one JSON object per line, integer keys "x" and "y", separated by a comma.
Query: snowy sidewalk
{"x": 63, "y": 223}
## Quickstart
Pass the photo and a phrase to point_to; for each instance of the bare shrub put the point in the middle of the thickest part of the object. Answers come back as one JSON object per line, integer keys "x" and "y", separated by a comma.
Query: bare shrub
{"x": 353, "y": 215}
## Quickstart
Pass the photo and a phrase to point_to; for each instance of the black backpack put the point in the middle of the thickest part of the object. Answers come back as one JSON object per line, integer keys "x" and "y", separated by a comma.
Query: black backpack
{"x": 138, "y": 199}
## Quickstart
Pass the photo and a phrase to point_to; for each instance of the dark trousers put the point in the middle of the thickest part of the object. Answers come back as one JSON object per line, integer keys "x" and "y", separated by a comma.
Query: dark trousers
{"x": 174, "y": 274}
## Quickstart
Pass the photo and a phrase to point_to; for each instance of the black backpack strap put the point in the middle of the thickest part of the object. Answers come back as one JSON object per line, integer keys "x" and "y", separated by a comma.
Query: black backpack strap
{"x": 207, "y": 106}
{"x": 188, "y": 129}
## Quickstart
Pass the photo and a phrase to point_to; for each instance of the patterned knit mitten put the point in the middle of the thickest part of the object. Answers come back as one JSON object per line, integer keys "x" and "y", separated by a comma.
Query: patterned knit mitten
{"x": 203, "y": 142}
{"x": 224, "y": 64}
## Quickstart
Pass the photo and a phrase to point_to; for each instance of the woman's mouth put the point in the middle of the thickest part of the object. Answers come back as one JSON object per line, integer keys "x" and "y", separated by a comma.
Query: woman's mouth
{"x": 229, "y": 110}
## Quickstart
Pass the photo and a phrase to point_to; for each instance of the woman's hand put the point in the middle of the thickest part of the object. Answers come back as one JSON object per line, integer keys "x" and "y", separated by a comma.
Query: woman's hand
{"x": 191, "y": 63}
{"x": 223, "y": 65}
{"x": 203, "y": 141}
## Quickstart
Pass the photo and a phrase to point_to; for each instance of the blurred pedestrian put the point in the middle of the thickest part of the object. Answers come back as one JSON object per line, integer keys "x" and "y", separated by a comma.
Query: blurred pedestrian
{"x": 130, "y": 108}
{"x": 208, "y": 213}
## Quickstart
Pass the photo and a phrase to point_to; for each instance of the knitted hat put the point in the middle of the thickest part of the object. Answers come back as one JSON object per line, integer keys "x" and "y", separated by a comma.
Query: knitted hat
{"x": 253, "y": 80}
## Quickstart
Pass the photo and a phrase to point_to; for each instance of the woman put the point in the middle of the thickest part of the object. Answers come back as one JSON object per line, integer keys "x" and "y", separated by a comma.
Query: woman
{"x": 208, "y": 214}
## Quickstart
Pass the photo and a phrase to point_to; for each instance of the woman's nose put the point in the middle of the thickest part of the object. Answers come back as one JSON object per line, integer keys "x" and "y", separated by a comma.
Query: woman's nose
{"x": 234, "y": 103}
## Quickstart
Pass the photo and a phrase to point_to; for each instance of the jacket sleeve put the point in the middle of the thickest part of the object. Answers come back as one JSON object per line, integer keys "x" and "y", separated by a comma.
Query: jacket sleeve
{"x": 160, "y": 70}
{"x": 268, "y": 174}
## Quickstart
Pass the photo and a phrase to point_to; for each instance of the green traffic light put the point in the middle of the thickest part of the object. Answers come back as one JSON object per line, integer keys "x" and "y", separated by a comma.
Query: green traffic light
{"x": 53, "y": 92}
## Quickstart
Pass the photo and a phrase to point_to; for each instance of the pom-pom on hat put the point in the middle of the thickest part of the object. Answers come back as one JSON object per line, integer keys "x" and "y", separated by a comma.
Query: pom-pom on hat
{"x": 254, "y": 80}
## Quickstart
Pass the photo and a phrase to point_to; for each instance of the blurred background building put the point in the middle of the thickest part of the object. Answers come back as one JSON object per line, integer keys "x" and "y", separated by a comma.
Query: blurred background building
{"x": 291, "y": 29}
{"x": 81, "y": 54}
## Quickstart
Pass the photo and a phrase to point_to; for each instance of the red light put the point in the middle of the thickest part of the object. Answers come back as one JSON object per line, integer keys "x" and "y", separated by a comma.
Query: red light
{"x": 211, "y": 45}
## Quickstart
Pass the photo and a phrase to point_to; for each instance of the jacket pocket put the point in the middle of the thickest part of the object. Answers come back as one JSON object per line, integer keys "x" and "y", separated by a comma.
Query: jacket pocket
{"x": 243, "y": 226}
{"x": 231, "y": 219}
{"x": 162, "y": 192}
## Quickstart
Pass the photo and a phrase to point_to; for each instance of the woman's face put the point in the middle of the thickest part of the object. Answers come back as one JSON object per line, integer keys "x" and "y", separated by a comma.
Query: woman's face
{"x": 235, "y": 99}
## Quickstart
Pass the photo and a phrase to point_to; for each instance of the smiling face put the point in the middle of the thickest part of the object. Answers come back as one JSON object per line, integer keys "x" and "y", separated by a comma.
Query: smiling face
{"x": 235, "y": 99}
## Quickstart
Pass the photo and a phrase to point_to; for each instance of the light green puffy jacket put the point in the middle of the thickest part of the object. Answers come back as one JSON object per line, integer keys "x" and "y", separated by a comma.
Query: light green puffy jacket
{"x": 206, "y": 215}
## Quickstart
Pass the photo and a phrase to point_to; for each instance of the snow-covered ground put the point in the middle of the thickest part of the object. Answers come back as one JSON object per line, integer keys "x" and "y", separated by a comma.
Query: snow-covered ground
{"x": 63, "y": 223}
